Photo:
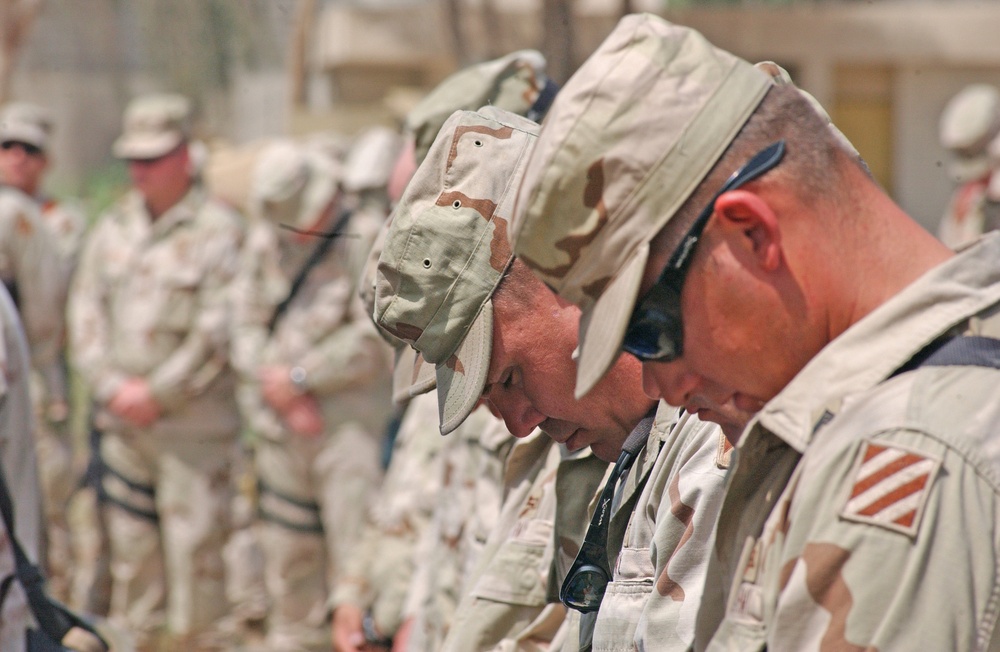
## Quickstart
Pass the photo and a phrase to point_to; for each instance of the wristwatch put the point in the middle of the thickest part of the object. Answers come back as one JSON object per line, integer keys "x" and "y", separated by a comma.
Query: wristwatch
{"x": 298, "y": 377}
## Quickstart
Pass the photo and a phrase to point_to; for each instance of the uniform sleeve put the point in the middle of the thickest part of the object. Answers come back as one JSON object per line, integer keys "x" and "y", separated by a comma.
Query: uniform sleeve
{"x": 204, "y": 351}
{"x": 380, "y": 570}
{"x": 38, "y": 270}
{"x": 89, "y": 330}
{"x": 351, "y": 356}
{"x": 258, "y": 287}
{"x": 889, "y": 545}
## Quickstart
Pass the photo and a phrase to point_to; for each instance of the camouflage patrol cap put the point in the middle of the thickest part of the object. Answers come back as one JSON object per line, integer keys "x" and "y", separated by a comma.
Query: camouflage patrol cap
{"x": 26, "y": 123}
{"x": 628, "y": 139}
{"x": 292, "y": 184}
{"x": 411, "y": 376}
{"x": 153, "y": 125}
{"x": 969, "y": 121}
{"x": 515, "y": 82}
{"x": 447, "y": 250}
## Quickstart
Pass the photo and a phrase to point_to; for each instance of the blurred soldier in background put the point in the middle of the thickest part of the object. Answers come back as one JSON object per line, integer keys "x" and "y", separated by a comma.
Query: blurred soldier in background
{"x": 25, "y": 133}
{"x": 25, "y": 138}
{"x": 471, "y": 464}
{"x": 315, "y": 381}
{"x": 20, "y": 474}
{"x": 969, "y": 123}
{"x": 148, "y": 326}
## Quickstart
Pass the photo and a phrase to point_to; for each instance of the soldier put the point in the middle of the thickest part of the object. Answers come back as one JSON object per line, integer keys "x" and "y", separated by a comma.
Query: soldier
{"x": 25, "y": 133}
{"x": 25, "y": 158}
{"x": 20, "y": 474}
{"x": 473, "y": 458}
{"x": 447, "y": 251}
{"x": 149, "y": 335}
{"x": 743, "y": 253}
{"x": 969, "y": 123}
{"x": 315, "y": 382}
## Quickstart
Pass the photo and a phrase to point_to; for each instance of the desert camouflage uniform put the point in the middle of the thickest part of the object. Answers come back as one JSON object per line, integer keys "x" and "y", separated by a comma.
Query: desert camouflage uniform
{"x": 661, "y": 535}
{"x": 150, "y": 300}
{"x": 17, "y": 454}
{"x": 31, "y": 267}
{"x": 378, "y": 570}
{"x": 471, "y": 476}
{"x": 510, "y": 601}
{"x": 861, "y": 512}
{"x": 314, "y": 490}
{"x": 66, "y": 223}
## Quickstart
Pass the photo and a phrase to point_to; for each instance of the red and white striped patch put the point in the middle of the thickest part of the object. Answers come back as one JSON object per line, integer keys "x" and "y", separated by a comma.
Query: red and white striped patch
{"x": 891, "y": 485}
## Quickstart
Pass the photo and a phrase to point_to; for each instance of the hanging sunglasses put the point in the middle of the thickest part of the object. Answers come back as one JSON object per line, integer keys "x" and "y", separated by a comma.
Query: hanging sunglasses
{"x": 588, "y": 577}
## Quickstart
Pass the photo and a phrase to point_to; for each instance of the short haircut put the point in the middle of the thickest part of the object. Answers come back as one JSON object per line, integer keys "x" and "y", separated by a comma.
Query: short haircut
{"x": 813, "y": 156}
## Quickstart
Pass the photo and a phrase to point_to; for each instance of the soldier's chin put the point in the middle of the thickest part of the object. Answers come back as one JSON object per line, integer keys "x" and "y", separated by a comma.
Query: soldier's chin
{"x": 607, "y": 451}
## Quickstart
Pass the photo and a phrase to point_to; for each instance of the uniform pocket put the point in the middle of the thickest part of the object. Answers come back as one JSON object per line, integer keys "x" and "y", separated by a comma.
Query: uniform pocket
{"x": 517, "y": 574}
{"x": 178, "y": 293}
{"x": 624, "y": 600}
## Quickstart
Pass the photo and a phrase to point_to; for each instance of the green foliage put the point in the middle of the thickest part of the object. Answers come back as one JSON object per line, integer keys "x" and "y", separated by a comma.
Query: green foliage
{"x": 102, "y": 188}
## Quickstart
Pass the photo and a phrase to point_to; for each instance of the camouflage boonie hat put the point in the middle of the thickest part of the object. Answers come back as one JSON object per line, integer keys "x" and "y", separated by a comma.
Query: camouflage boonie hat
{"x": 628, "y": 139}
{"x": 26, "y": 123}
{"x": 968, "y": 123}
{"x": 515, "y": 83}
{"x": 447, "y": 250}
{"x": 292, "y": 184}
{"x": 153, "y": 125}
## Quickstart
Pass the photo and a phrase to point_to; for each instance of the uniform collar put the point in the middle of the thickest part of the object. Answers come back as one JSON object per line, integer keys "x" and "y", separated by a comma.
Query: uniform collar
{"x": 870, "y": 350}
{"x": 183, "y": 211}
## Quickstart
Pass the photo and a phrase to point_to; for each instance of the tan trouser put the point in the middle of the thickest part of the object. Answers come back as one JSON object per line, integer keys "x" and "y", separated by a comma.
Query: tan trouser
{"x": 315, "y": 492}
{"x": 168, "y": 571}
{"x": 55, "y": 473}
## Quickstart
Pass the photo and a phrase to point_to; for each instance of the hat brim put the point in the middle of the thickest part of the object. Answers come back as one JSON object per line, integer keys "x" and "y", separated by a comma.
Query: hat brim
{"x": 319, "y": 191}
{"x": 963, "y": 170}
{"x": 602, "y": 327}
{"x": 461, "y": 379}
{"x": 24, "y": 133}
{"x": 411, "y": 375}
{"x": 146, "y": 146}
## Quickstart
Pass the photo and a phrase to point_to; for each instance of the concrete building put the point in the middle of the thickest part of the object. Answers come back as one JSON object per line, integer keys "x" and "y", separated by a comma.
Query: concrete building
{"x": 883, "y": 68}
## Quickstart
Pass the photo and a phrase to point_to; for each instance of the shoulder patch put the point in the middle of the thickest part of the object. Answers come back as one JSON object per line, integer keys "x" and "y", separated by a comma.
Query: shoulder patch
{"x": 890, "y": 487}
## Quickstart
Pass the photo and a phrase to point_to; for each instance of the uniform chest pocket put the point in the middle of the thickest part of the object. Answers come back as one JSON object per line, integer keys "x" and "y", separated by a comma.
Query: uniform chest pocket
{"x": 624, "y": 600}
{"x": 517, "y": 574}
{"x": 634, "y": 565}
{"x": 176, "y": 292}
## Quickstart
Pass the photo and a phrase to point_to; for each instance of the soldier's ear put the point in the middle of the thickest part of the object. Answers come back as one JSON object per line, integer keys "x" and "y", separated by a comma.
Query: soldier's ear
{"x": 753, "y": 225}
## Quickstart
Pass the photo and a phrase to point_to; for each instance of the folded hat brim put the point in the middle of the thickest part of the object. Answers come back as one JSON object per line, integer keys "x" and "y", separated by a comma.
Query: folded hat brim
{"x": 411, "y": 375}
{"x": 602, "y": 327}
{"x": 461, "y": 378}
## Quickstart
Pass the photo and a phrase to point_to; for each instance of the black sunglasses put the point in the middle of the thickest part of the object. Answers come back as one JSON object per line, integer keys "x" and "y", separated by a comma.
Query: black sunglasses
{"x": 655, "y": 330}
{"x": 588, "y": 577}
{"x": 28, "y": 148}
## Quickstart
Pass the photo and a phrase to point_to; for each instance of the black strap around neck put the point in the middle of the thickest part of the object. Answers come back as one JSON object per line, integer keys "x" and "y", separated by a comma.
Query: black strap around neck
{"x": 957, "y": 351}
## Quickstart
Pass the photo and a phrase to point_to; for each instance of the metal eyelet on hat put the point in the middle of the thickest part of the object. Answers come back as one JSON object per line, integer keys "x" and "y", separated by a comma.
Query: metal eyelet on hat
{"x": 427, "y": 263}
{"x": 456, "y": 204}
{"x": 477, "y": 143}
